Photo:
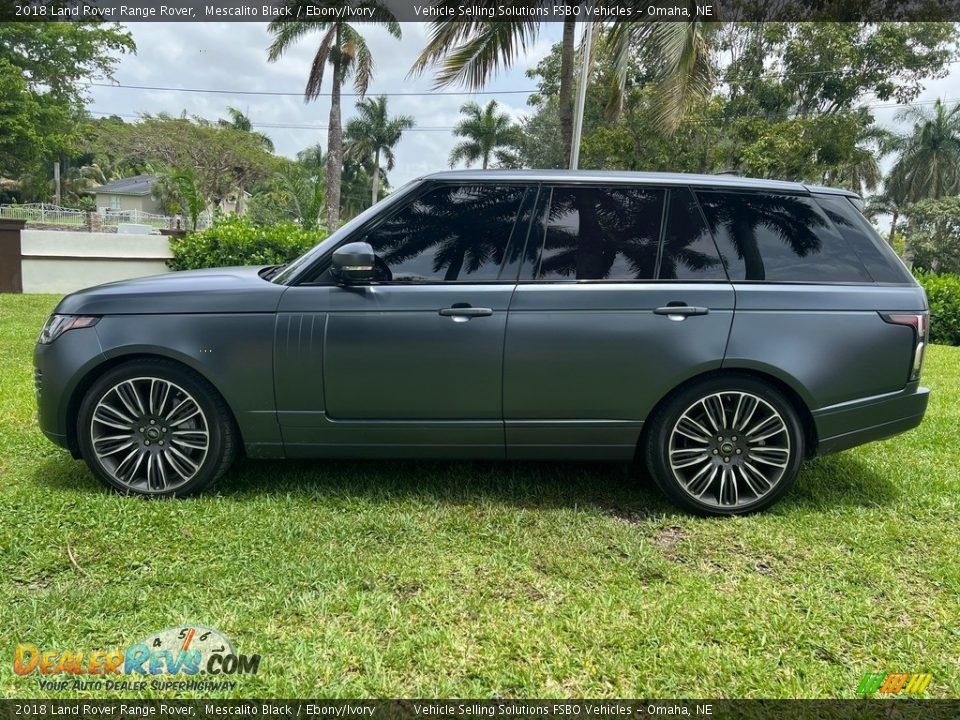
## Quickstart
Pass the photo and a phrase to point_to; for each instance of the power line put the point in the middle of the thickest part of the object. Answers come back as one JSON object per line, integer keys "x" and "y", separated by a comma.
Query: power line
{"x": 279, "y": 126}
{"x": 277, "y": 93}
{"x": 300, "y": 94}
{"x": 448, "y": 128}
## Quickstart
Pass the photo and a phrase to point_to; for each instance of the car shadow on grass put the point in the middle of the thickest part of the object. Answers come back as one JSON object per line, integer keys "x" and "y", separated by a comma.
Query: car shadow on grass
{"x": 617, "y": 489}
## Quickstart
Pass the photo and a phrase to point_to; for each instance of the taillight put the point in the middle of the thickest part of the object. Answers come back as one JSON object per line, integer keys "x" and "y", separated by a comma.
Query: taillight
{"x": 920, "y": 322}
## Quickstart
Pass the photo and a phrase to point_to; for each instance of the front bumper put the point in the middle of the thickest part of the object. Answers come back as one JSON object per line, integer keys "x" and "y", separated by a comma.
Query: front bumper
{"x": 849, "y": 424}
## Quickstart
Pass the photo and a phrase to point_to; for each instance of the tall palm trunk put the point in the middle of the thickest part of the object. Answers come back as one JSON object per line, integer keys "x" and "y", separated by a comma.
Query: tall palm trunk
{"x": 893, "y": 228}
{"x": 376, "y": 175}
{"x": 334, "y": 143}
{"x": 566, "y": 86}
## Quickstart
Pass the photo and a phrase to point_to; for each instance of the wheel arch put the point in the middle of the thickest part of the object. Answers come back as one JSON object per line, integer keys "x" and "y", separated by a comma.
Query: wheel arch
{"x": 792, "y": 395}
{"x": 114, "y": 361}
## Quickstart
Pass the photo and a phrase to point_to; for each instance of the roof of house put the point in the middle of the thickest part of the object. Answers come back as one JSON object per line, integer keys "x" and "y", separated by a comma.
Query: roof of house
{"x": 136, "y": 185}
{"x": 720, "y": 180}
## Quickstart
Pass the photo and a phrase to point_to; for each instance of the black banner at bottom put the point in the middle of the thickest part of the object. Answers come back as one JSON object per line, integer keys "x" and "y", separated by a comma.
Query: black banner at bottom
{"x": 899, "y": 709}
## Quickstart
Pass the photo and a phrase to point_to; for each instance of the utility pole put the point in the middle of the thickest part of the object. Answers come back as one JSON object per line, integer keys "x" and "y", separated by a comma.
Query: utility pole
{"x": 56, "y": 182}
{"x": 581, "y": 94}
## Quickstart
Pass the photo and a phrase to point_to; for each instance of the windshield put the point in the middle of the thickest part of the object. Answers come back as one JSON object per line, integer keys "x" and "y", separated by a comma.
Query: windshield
{"x": 284, "y": 274}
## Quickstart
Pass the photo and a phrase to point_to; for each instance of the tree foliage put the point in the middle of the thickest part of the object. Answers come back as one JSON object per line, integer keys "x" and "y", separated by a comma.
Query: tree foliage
{"x": 933, "y": 241}
{"x": 486, "y": 132}
{"x": 372, "y": 135}
{"x": 345, "y": 49}
{"x": 44, "y": 71}
{"x": 789, "y": 105}
{"x": 222, "y": 159}
{"x": 928, "y": 165}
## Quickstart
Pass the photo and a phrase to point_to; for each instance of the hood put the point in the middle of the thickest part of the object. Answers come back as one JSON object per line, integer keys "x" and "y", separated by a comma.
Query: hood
{"x": 217, "y": 290}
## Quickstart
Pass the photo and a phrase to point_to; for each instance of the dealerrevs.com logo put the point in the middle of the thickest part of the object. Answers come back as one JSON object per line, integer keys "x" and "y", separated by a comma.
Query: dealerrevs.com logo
{"x": 183, "y": 652}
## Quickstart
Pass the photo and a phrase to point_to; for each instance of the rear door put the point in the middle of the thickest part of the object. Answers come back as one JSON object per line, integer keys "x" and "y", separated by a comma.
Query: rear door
{"x": 621, "y": 297}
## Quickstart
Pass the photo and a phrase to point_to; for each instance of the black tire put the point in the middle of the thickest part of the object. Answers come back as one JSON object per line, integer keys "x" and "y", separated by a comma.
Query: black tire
{"x": 708, "y": 472}
{"x": 207, "y": 443}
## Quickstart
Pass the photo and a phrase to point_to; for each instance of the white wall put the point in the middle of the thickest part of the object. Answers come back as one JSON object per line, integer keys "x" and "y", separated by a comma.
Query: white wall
{"x": 61, "y": 262}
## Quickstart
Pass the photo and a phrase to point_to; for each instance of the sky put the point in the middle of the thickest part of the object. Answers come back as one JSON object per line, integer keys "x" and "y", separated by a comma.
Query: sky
{"x": 233, "y": 56}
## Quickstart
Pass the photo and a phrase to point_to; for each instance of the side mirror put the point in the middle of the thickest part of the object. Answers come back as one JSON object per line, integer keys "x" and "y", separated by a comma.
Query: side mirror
{"x": 353, "y": 262}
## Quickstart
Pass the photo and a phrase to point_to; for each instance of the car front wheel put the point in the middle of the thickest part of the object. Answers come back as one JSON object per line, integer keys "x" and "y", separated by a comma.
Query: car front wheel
{"x": 155, "y": 428}
{"x": 729, "y": 445}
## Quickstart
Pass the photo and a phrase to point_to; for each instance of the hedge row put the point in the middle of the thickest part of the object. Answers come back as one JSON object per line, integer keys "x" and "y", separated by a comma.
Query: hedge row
{"x": 943, "y": 294}
{"x": 235, "y": 240}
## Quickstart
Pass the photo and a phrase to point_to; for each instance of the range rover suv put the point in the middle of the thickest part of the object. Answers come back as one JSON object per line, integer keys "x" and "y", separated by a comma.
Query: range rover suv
{"x": 719, "y": 330}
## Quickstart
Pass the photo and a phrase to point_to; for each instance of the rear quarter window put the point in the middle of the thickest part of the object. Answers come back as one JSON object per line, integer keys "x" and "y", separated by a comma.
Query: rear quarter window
{"x": 877, "y": 256}
{"x": 779, "y": 237}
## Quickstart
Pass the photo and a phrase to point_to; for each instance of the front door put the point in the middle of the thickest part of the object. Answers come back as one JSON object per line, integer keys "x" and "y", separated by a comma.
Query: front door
{"x": 622, "y": 297}
{"x": 412, "y": 363}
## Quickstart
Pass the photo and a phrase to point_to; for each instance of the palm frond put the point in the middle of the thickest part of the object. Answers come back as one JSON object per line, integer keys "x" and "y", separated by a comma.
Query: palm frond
{"x": 470, "y": 53}
{"x": 315, "y": 78}
{"x": 685, "y": 75}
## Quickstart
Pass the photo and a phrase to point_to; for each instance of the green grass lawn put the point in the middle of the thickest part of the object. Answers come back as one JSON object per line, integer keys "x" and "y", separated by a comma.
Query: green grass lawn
{"x": 482, "y": 579}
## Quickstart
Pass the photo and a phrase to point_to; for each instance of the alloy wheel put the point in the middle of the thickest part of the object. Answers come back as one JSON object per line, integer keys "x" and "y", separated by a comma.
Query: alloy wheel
{"x": 149, "y": 434}
{"x": 729, "y": 449}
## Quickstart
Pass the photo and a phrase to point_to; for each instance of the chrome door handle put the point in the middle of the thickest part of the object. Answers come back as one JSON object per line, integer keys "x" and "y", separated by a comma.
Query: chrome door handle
{"x": 680, "y": 312}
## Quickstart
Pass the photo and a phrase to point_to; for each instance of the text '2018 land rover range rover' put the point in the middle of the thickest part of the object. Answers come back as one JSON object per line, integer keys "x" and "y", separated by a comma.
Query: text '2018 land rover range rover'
{"x": 719, "y": 330}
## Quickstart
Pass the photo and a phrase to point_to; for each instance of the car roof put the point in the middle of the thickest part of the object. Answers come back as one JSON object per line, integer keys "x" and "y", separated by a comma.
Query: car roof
{"x": 720, "y": 181}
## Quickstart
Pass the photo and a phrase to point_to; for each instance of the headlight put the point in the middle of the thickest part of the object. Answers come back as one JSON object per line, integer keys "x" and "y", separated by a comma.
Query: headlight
{"x": 57, "y": 325}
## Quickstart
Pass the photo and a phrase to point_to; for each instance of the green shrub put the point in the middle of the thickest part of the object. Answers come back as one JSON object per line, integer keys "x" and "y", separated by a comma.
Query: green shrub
{"x": 933, "y": 234}
{"x": 943, "y": 294}
{"x": 236, "y": 240}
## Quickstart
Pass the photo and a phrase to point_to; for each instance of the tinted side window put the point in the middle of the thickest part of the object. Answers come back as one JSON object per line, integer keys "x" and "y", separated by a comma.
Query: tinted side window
{"x": 877, "y": 256}
{"x": 601, "y": 234}
{"x": 778, "y": 238}
{"x": 689, "y": 252}
{"x": 450, "y": 233}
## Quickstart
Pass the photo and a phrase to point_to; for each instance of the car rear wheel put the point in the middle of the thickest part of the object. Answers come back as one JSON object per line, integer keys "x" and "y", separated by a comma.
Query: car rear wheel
{"x": 729, "y": 445}
{"x": 155, "y": 428}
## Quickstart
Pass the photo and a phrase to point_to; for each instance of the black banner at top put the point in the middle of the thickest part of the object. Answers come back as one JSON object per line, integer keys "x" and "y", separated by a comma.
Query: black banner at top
{"x": 126, "y": 11}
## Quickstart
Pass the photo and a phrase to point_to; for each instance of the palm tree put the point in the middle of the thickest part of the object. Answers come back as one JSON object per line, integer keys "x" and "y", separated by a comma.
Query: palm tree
{"x": 302, "y": 192}
{"x": 860, "y": 171}
{"x": 347, "y": 52}
{"x": 354, "y": 193}
{"x": 929, "y": 162}
{"x": 680, "y": 56}
{"x": 239, "y": 121}
{"x": 373, "y": 134}
{"x": 889, "y": 202}
{"x": 469, "y": 53}
{"x": 486, "y": 130}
